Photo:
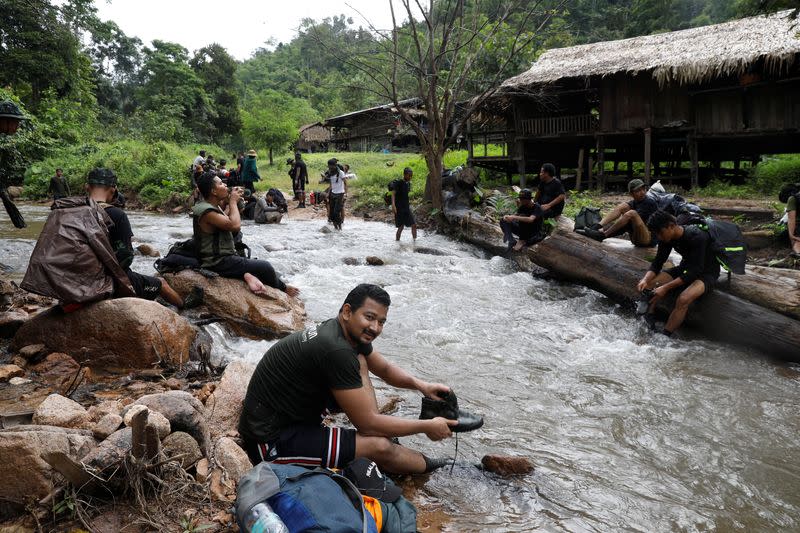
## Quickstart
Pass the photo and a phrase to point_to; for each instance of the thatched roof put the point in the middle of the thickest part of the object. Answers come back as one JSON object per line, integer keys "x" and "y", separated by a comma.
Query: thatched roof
{"x": 687, "y": 56}
{"x": 315, "y": 132}
{"x": 411, "y": 105}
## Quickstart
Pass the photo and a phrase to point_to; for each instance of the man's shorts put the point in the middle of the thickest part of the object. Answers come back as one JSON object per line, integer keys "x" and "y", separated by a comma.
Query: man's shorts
{"x": 330, "y": 447}
{"x": 146, "y": 287}
{"x": 299, "y": 185}
{"x": 404, "y": 218}
{"x": 709, "y": 280}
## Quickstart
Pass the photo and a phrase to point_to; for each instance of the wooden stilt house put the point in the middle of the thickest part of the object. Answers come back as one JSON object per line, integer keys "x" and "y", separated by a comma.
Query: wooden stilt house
{"x": 672, "y": 105}
{"x": 376, "y": 129}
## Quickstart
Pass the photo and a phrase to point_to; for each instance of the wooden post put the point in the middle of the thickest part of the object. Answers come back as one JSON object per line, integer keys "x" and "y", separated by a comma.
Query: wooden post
{"x": 601, "y": 163}
{"x": 521, "y": 162}
{"x": 579, "y": 169}
{"x": 590, "y": 173}
{"x": 648, "y": 134}
{"x": 630, "y": 169}
{"x": 469, "y": 140}
{"x": 694, "y": 171}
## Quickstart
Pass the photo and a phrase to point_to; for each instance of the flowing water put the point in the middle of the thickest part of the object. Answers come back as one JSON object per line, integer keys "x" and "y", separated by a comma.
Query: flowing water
{"x": 628, "y": 431}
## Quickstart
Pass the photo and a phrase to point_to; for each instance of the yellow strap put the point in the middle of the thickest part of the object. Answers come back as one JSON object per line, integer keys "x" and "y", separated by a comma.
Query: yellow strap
{"x": 374, "y": 507}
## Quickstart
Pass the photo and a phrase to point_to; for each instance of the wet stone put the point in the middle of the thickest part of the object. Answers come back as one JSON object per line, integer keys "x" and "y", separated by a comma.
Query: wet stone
{"x": 507, "y": 465}
{"x": 10, "y": 371}
{"x": 374, "y": 261}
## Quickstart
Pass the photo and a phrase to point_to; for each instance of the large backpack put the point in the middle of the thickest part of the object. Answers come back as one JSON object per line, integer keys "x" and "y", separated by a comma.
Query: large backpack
{"x": 317, "y": 500}
{"x": 729, "y": 245}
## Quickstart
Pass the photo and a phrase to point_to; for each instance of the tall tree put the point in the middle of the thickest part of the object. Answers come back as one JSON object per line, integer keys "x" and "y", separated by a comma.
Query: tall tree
{"x": 217, "y": 70}
{"x": 271, "y": 119}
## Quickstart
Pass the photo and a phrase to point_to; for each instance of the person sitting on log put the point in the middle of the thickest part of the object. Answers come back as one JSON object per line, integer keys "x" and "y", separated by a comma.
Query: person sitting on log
{"x": 101, "y": 186}
{"x": 630, "y": 217}
{"x": 695, "y": 276}
{"x": 522, "y": 224}
{"x": 790, "y": 194}
{"x": 325, "y": 368}
{"x": 216, "y": 219}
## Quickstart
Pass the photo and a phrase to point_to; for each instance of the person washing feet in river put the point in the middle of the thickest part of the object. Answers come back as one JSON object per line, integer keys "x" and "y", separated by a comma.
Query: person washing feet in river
{"x": 327, "y": 368}
{"x": 216, "y": 219}
{"x": 401, "y": 207}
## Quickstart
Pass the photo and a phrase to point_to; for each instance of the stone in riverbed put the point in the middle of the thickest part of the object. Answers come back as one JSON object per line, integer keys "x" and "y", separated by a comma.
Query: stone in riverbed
{"x": 352, "y": 261}
{"x": 184, "y": 412}
{"x": 106, "y": 426}
{"x": 507, "y": 465}
{"x": 154, "y": 418}
{"x": 110, "y": 453}
{"x": 56, "y": 410}
{"x": 268, "y": 316}
{"x": 122, "y": 333}
{"x": 225, "y": 403}
{"x": 182, "y": 444}
{"x": 149, "y": 251}
{"x": 231, "y": 463}
{"x": 32, "y": 351}
{"x": 10, "y": 371}
{"x": 374, "y": 261}
{"x": 56, "y": 368}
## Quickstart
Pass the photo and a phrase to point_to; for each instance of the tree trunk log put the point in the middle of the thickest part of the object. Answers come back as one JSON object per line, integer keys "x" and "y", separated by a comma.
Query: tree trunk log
{"x": 746, "y": 313}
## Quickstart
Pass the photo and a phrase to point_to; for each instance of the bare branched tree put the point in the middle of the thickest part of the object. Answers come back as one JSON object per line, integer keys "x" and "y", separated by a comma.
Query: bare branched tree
{"x": 429, "y": 58}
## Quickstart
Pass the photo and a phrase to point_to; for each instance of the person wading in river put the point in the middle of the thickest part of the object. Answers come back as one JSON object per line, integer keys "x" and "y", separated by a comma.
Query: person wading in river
{"x": 401, "y": 207}
{"x": 631, "y": 217}
{"x": 327, "y": 367}
{"x": 216, "y": 219}
{"x": 695, "y": 276}
{"x": 338, "y": 193}
{"x": 59, "y": 187}
{"x": 299, "y": 179}
{"x": 101, "y": 186}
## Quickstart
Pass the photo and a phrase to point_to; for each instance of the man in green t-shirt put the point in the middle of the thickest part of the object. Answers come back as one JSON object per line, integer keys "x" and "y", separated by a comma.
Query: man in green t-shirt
{"x": 325, "y": 368}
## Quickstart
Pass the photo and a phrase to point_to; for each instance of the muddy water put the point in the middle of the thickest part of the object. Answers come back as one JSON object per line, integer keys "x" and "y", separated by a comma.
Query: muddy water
{"x": 628, "y": 432}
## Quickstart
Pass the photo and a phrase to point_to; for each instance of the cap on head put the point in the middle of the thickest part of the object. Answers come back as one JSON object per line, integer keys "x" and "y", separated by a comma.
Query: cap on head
{"x": 332, "y": 162}
{"x": 102, "y": 176}
{"x": 635, "y": 184}
{"x": 525, "y": 194}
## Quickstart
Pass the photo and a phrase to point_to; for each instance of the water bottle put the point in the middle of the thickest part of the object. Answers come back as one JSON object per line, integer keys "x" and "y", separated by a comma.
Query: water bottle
{"x": 262, "y": 519}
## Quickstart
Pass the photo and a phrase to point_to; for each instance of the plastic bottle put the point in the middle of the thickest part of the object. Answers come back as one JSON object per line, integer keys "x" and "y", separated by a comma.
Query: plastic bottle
{"x": 262, "y": 519}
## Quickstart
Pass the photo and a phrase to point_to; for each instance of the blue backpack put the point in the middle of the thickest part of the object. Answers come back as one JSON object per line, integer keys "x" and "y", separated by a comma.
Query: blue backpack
{"x": 313, "y": 501}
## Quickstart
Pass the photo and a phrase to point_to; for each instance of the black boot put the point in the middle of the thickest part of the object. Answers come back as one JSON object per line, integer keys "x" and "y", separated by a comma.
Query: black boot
{"x": 447, "y": 407}
{"x": 194, "y": 298}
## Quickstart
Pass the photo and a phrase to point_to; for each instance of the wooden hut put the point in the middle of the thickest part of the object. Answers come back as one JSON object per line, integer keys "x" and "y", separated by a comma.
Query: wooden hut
{"x": 726, "y": 92}
{"x": 376, "y": 128}
{"x": 313, "y": 138}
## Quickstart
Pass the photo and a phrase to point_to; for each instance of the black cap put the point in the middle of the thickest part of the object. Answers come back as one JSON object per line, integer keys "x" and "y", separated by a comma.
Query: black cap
{"x": 369, "y": 480}
{"x": 102, "y": 176}
{"x": 332, "y": 162}
{"x": 525, "y": 193}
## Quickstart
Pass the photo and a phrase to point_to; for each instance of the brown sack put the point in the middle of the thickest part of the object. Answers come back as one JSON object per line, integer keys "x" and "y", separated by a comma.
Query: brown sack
{"x": 73, "y": 260}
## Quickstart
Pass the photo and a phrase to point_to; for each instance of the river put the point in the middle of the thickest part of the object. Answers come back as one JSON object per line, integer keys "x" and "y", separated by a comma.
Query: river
{"x": 628, "y": 431}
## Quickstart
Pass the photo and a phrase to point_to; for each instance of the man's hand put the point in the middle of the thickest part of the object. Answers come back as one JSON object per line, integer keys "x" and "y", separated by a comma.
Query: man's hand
{"x": 508, "y": 218}
{"x": 440, "y": 428}
{"x": 642, "y": 285}
{"x": 430, "y": 389}
{"x": 236, "y": 194}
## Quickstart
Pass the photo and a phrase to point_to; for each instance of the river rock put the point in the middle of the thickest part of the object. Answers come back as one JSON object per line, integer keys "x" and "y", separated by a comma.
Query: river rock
{"x": 32, "y": 351}
{"x": 25, "y": 473}
{"x": 183, "y": 444}
{"x": 123, "y": 333}
{"x": 15, "y": 191}
{"x": 274, "y": 247}
{"x": 98, "y": 411}
{"x": 428, "y": 251}
{"x": 268, "y": 316}
{"x": 232, "y": 460}
{"x": 154, "y": 418}
{"x": 106, "y": 426}
{"x": 374, "y": 261}
{"x": 352, "y": 261}
{"x": 10, "y": 322}
{"x": 507, "y": 465}
{"x": 110, "y": 453}
{"x": 56, "y": 368}
{"x": 225, "y": 403}
{"x": 325, "y": 229}
{"x": 149, "y": 251}
{"x": 184, "y": 412}
{"x": 19, "y": 381}
{"x": 202, "y": 470}
{"x": 10, "y": 371}
{"x": 56, "y": 410}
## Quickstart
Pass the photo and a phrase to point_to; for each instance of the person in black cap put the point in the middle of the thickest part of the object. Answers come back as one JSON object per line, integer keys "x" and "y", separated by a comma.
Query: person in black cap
{"x": 326, "y": 368}
{"x": 101, "y": 186}
{"x": 630, "y": 217}
{"x": 522, "y": 224}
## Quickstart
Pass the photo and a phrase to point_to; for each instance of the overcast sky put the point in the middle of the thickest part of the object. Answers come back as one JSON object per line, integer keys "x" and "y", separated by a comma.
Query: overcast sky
{"x": 241, "y": 26}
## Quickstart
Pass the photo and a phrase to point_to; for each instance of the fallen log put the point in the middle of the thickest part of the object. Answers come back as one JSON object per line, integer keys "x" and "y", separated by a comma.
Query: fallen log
{"x": 614, "y": 269}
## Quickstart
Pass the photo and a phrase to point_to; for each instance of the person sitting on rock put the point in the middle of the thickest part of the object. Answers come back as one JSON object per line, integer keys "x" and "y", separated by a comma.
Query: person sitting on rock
{"x": 216, "y": 219}
{"x": 267, "y": 211}
{"x": 101, "y": 186}
{"x": 326, "y": 368}
{"x": 695, "y": 276}
{"x": 522, "y": 224}
{"x": 628, "y": 217}
{"x": 790, "y": 194}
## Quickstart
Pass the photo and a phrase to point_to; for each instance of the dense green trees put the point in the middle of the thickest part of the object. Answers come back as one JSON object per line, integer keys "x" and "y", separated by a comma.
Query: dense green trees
{"x": 272, "y": 118}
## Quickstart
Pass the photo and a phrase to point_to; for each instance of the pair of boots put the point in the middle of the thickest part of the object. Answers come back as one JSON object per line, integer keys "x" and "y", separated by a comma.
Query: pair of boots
{"x": 595, "y": 231}
{"x": 447, "y": 407}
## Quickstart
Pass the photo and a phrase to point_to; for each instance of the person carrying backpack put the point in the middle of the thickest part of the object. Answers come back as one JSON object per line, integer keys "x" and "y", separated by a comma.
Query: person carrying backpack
{"x": 695, "y": 276}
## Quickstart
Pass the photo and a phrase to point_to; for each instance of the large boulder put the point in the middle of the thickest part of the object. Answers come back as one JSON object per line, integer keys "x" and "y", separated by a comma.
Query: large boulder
{"x": 25, "y": 473}
{"x": 184, "y": 412}
{"x": 56, "y": 410}
{"x": 225, "y": 403}
{"x": 121, "y": 333}
{"x": 268, "y": 316}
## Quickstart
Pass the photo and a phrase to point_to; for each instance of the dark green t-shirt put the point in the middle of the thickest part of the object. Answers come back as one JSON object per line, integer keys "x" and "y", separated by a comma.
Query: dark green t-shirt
{"x": 292, "y": 383}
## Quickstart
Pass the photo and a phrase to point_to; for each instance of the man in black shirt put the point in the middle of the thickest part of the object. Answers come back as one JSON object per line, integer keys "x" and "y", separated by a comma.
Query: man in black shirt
{"x": 102, "y": 187}
{"x": 299, "y": 179}
{"x": 401, "y": 207}
{"x": 523, "y": 224}
{"x": 326, "y": 368}
{"x": 696, "y": 274}
{"x": 551, "y": 194}
{"x": 629, "y": 217}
